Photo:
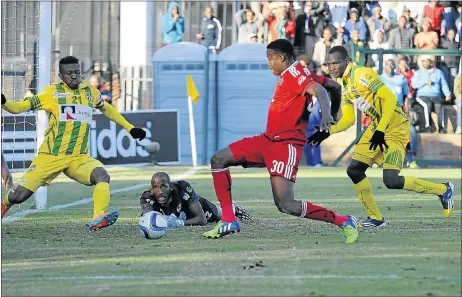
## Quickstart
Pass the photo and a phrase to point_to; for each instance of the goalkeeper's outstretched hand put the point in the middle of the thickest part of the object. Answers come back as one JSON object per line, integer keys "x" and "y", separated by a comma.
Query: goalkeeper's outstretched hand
{"x": 3, "y": 99}
{"x": 318, "y": 137}
{"x": 173, "y": 221}
{"x": 138, "y": 133}
{"x": 378, "y": 139}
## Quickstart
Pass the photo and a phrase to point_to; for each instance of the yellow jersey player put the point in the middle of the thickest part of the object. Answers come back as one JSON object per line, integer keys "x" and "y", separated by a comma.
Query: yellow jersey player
{"x": 69, "y": 105}
{"x": 389, "y": 131}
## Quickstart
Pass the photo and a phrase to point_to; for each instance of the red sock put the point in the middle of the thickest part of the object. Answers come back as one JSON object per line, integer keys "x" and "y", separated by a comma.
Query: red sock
{"x": 319, "y": 213}
{"x": 222, "y": 183}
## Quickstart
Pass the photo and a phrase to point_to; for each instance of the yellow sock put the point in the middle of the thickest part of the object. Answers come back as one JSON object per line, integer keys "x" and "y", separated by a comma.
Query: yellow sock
{"x": 364, "y": 190}
{"x": 421, "y": 186}
{"x": 5, "y": 200}
{"x": 101, "y": 198}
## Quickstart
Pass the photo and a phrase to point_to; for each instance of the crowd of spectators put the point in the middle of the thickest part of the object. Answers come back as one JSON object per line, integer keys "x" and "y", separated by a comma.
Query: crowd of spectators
{"x": 426, "y": 85}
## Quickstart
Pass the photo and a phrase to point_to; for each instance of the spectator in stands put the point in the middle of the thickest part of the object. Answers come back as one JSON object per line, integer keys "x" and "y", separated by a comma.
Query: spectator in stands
{"x": 450, "y": 16}
{"x": 250, "y": 26}
{"x": 426, "y": 39}
{"x": 357, "y": 57}
{"x": 434, "y": 12}
{"x": 377, "y": 21}
{"x": 318, "y": 16}
{"x": 458, "y": 25}
{"x": 338, "y": 12}
{"x": 458, "y": 95}
{"x": 321, "y": 48}
{"x": 210, "y": 35}
{"x": 253, "y": 38}
{"x": 172, "y": 25}
{"x": 305, "y": 35}
{"x": 411, "y": 22}
{"x": 450, "y": 63}
{"x": 404, "y": 69}
{"x": 392, "y": 10}
{"x": 378, "y": 42}
{"x": 285, "y": 28}
{"x": 428, "y": 82}
{"x": 401, "y": 37}
{"x": 355, "y": 23}
{"x": 396, "y": 82}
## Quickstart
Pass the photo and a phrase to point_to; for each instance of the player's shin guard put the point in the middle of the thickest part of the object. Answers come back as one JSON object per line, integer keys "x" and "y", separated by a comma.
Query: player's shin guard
{"x": 101, "y": 198}
{"x": 222, "y": 183}
{"x": 319, "y": 213}
{"x": 6, "y": 204}
{"x": 364, "y": 191}
{"x": 421, "y": 186}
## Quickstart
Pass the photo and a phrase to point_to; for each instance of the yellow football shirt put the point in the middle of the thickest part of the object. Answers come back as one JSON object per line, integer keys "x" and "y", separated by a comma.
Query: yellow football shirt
{"x": 359, "y": 88}
{"x": 70, "y": 114}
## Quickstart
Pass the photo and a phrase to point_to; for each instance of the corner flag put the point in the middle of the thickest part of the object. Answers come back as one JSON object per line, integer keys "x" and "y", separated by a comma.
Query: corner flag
{"x": 192, "y": 90}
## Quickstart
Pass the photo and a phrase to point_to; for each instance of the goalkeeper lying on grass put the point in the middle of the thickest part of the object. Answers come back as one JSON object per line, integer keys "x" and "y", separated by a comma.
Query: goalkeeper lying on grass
{"x": 180, "y": 204}
{"x": 69, "y": 105}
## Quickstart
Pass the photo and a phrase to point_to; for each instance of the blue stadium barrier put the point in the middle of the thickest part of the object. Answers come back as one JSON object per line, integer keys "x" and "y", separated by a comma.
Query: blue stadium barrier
{"x": 245, "y": 88}
{"x": 235, "y": 88}
{"x": 171, "y": 64}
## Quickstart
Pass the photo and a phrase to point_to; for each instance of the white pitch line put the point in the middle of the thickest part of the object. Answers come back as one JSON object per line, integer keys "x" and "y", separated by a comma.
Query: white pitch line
{"x": 203, "y": 278}
{"x": 20, "y": 215}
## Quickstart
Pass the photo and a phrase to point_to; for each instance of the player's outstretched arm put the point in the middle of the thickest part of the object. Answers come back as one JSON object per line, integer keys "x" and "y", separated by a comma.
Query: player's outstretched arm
{"x": 198, "y": 217}
{"x": 317, "y": 90}
{"x": 347, "y": 120}
{"x": 15, "y": 107}
{"x": 111, "y": 113}
{"x": 6, "y": 175}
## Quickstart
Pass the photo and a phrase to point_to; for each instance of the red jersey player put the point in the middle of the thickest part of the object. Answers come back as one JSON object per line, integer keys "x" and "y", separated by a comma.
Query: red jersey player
{"x": 279, "y": 148}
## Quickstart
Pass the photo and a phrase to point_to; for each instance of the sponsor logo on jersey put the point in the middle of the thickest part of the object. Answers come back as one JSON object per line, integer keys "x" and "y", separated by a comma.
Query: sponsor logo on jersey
{"x": 361, "y": 104}
{"x": 364, "y": 82}
{"x": 301, "y": 79}
{"x": 57, "y": 95}
{"x": 75, "y": 112}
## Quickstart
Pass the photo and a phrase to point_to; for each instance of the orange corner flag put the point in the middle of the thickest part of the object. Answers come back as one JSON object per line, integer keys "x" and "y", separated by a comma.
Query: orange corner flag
{"x": 192, "y": 90}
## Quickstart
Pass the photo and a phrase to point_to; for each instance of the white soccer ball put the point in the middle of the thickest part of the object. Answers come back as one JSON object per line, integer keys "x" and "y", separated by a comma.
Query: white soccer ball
{"x": 153, "y": 225}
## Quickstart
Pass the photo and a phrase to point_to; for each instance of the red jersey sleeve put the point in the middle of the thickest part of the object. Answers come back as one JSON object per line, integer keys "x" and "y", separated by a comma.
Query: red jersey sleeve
{"x": 319, "y": 79}
{"x": 298, "y": 78}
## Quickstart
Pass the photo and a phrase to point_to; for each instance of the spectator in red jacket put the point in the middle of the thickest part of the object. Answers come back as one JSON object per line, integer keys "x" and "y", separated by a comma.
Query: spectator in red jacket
{"x": 404, "y": 69}
{"x": 434, "y": 11}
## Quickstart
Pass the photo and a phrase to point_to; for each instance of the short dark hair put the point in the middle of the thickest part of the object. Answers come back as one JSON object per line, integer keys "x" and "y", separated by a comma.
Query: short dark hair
{"x": 283, "y": 46}
{"x": 338, "y": 49}
{"x": 68, "y": 60}
{"x": 161, "y": 175}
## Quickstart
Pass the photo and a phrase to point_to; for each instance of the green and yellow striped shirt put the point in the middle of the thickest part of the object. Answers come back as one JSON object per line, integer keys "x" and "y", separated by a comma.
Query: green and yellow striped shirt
{"x": 70, "y": 114}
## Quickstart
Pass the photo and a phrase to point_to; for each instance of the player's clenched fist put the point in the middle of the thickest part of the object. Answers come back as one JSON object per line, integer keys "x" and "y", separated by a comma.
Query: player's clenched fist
{"x": 138, "y": 133}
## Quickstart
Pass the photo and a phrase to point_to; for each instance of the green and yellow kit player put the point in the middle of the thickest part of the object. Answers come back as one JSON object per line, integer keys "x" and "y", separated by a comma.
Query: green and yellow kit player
{"x": 69, "y": 105}
{"x": 389, "y": 131}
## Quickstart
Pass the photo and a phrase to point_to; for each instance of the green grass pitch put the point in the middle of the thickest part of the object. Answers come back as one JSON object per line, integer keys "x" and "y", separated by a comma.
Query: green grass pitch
{"x": 418, "y": 253}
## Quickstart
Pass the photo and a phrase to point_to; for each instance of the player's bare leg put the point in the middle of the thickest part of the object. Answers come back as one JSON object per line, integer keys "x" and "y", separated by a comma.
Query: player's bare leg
{"x": 393, "y": 180}
{"x": 15, "y": 196}
{"x": 284, "y": 198}
{"x": 357, "y": 173}
{"x": 222, "y": 183}
{"x": 101, "y": 197}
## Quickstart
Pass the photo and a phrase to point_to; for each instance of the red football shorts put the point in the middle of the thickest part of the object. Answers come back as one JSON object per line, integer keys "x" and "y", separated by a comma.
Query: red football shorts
{"x": 280, "y": 158}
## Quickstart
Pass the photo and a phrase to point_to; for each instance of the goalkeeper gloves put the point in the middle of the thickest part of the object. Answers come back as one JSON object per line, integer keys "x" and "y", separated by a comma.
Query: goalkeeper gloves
{"x": 378, "y": 139}
{"x": 136, "y": 133}
{"x": 318, "y": 137}
{"x": 173, "y": 221}
{"x": 3, "y": 99}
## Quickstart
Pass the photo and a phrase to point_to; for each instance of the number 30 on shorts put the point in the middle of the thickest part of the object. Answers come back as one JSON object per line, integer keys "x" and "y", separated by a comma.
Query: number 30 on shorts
{"x": 278, "y": 166}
